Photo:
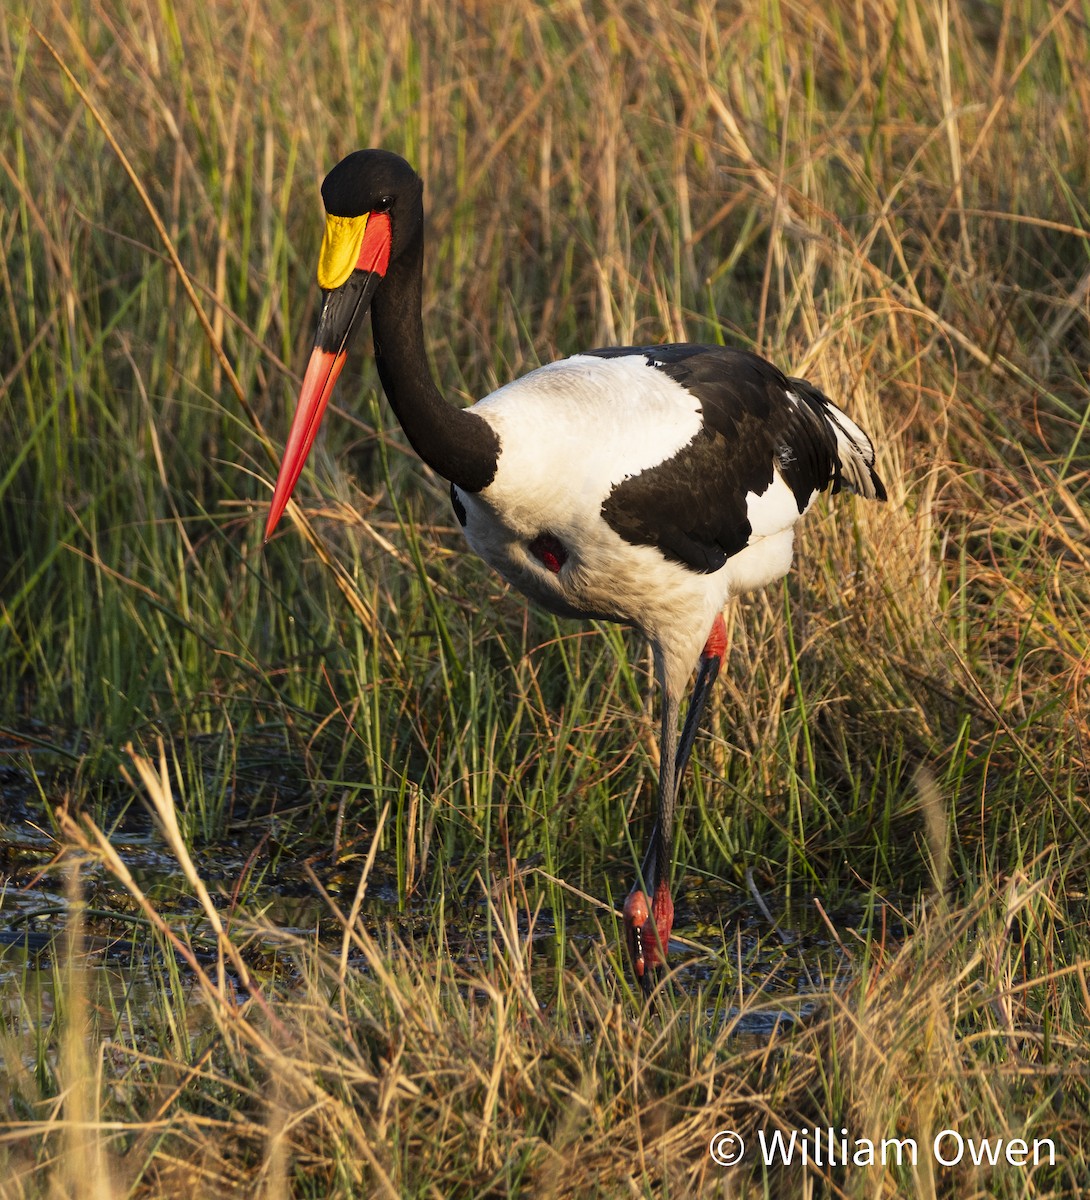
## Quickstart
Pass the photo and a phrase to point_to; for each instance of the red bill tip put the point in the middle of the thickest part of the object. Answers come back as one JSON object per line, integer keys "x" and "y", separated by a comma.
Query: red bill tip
{"x": 321, "y": 375}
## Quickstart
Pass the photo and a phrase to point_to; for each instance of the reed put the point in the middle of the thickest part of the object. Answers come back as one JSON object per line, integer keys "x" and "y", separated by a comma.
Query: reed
{"x": 887, "y": 197}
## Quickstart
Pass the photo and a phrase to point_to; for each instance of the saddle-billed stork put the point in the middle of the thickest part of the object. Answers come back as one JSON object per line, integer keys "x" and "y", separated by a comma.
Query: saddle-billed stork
{"x": 644, "y": 485}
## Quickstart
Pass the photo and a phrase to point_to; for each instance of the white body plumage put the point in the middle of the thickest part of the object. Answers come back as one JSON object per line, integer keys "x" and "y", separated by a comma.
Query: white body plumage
{"x": 570, "y": 433}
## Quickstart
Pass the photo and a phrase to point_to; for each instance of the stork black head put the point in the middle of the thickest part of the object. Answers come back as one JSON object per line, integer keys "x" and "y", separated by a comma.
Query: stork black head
{"x": 374, "y": 211}
{"x": 363, "y": 178}
{"x": 367, "y": 184}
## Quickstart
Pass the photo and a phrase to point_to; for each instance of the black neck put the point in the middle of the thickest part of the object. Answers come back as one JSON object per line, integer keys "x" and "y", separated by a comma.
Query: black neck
{"x": 460, "y": 445}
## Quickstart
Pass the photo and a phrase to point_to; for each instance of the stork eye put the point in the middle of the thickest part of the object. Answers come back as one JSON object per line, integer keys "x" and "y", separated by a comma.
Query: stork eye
{"x": 382, "y": 204}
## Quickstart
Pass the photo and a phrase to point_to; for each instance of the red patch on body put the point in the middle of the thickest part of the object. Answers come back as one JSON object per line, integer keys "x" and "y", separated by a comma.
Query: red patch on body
{"x": 549, "y": 551}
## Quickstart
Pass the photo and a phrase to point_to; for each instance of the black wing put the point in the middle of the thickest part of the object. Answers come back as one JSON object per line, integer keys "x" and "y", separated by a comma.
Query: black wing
{"x": 693, "y": 507}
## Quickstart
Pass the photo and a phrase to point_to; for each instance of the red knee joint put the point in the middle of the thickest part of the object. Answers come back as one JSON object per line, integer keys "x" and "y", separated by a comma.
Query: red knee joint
{"x": 716, "y": 645}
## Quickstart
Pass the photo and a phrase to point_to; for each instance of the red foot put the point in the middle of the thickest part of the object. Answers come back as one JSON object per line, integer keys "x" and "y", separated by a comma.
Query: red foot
{"x": 648, "y": 932}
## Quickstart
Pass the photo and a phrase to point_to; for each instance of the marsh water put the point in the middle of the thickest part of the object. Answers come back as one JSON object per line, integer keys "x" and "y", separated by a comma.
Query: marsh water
{"x": 279, "y": 903}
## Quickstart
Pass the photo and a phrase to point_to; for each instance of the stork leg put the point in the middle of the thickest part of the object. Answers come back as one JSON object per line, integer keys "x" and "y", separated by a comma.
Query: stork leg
{"x": 648, "y": 922}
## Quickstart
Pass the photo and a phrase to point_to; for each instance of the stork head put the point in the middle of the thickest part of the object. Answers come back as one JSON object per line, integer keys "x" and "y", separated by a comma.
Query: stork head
{"x": 373, "y": 204}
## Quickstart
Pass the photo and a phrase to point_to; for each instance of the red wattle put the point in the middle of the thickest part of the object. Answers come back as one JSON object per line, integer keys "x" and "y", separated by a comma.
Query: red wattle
{"x": 375, "y": 248}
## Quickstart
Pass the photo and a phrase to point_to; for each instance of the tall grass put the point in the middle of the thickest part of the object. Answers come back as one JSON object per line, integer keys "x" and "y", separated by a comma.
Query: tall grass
{"x": 889, "y": 198}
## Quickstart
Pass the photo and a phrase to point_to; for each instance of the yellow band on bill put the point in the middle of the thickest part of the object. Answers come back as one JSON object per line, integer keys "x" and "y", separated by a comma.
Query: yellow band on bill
{"x": 341, "y": 244}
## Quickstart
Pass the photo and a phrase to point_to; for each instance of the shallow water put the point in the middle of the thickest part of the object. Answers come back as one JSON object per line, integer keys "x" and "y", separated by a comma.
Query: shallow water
{"x": 760, "y": 979}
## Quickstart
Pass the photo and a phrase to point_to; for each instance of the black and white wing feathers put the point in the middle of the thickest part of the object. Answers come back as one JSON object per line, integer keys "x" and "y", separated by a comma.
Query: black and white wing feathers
{"x": 700, "y": 506}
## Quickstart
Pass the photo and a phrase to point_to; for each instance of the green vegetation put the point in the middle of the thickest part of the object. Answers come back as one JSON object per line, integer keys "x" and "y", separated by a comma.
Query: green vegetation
{"x": 889, "y": 197}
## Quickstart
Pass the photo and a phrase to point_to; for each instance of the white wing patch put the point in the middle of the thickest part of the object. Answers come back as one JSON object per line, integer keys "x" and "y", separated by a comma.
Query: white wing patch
{"x": 570, "y": 431}
{"x": 774, "y": 510}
